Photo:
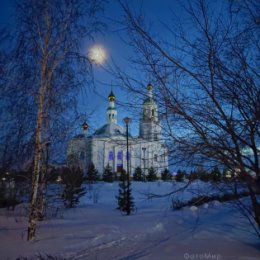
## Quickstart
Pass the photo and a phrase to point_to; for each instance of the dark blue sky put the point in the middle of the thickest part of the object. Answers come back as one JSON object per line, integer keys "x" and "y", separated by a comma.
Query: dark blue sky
{"x": 157, "y": 11}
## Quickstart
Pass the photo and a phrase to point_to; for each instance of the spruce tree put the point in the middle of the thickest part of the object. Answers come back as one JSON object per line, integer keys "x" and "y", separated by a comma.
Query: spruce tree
{"x": 151, "y": 175}
{"x": 180, "y": 175}
{"x": 73, "y": 190}
{"x": 124, "y": 199}
{"x": 165, "y": 175}
{"x": 108, "y": 175}
{"x": 92, "y": 173}
{"x": 138, "y": 174}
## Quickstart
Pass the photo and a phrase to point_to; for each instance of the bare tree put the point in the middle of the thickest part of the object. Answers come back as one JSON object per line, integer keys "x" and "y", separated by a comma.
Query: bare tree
{"x": 46, "y": 69}
{"x": 207, "y": 82}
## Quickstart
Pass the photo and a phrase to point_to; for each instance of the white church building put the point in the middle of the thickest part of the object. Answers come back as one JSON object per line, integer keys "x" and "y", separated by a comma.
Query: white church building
{"x": 107, "y": 146}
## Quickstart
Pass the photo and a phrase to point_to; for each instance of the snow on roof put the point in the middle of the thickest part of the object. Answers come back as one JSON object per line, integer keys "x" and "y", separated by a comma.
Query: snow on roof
{"x": 109, "y": 130}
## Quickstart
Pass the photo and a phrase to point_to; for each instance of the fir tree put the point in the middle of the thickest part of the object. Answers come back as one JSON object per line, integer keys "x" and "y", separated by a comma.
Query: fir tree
{"x": 151, "y": 175}
{"x": 108, "y": 175}
{"x": 180, "y": 175}
{"x": 138, "y": 174}
{"x": 73, "y": 190}
{"x": 165, "y": 175}
{"x": 124, "y": 199}
{"x": 92, "y": 173}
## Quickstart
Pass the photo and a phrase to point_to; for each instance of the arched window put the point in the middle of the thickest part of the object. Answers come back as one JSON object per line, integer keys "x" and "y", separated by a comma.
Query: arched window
{"x": 153, "y": 112}
{"x": 120, "y": 155}
{"x": 110, "y": 156}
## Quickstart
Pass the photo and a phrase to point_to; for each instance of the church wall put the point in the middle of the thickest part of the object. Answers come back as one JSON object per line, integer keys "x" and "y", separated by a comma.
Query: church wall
{"x": 145, "y": 151}
{"x": 98, "y": 155}
{"x": 103, "y": 151}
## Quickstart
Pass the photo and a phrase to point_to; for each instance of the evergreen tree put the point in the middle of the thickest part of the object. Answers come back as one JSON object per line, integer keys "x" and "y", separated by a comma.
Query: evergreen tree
{"x": 92, "y": 173}
{"x": 215, "y": 175}
{"x": 124, "y": 198}
{"x": 179, "y": 176}
{"x": 73, "y": 190}
{"x": 138, "y": 174}
{"x": 108, "y": 175}
{"x": 8, "y": 192}
{"x": 204, "y": 175}
{"x": 122, "y": 176}
{"x": 151, "y": 175}
{"x": 165, "y": 175}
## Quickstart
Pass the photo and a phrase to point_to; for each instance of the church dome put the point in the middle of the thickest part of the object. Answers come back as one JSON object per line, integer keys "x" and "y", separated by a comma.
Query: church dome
{"x": 149, "y": 100}
{"x": 149, "y": 86}
{"x": 111, "y": 96}
{"x": 85, "y": 125}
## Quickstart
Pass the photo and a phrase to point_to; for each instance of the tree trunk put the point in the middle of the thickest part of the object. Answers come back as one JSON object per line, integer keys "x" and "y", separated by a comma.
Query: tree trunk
{"x": 33, "y": 216}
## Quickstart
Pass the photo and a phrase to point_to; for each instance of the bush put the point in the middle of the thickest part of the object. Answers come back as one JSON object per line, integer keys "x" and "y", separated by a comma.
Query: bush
{"x": 200, "y": 200}
{"x": 73, "y": 190}
{"x": 7, "y": 190}
{"x": 204, "y": 176}
{"x": 215, "y": 175}
{"x": 193, "y": 176}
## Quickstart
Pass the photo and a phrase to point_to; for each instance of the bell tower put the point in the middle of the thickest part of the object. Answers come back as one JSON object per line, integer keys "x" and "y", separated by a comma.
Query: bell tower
{"x": 149, "y": 124}
{"x": 111, "y": 110}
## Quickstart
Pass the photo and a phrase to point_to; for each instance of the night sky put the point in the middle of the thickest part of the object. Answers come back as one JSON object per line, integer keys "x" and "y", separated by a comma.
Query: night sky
{"x": 156, "y": 11}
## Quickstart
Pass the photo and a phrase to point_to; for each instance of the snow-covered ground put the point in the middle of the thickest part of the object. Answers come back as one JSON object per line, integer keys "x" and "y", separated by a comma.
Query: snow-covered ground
{"x": 96, "y": 230}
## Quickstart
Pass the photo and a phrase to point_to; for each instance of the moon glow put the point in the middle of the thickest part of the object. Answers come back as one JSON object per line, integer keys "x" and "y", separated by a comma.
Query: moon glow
{"x": 97, "y": 54}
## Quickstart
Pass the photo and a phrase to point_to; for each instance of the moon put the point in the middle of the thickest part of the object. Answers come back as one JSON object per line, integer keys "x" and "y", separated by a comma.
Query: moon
{"x": 97, "y": 54}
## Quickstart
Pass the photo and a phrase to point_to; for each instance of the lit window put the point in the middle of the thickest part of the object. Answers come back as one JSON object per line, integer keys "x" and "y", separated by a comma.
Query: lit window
{"x": 110, "y": 156}
{"x": 120, "y": 155}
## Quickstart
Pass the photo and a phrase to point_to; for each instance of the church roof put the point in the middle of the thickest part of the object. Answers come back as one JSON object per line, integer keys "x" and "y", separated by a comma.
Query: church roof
{"x": 111, "y": 96}
{"x": 109, "y": 130}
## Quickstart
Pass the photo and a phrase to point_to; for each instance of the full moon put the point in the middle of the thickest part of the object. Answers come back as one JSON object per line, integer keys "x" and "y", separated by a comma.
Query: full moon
{"x": 97, "y": 54}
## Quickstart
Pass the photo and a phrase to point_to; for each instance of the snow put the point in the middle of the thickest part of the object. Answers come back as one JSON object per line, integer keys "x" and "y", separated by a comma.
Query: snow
{"x": 96, "y": 230}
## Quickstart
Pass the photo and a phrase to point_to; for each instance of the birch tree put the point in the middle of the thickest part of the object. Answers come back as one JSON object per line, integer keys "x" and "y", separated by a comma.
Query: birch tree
{"x": 46, "y": 68}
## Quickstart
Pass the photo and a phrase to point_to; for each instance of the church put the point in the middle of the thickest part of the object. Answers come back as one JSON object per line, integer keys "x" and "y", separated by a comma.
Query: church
{"x": 108, "y": 144}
